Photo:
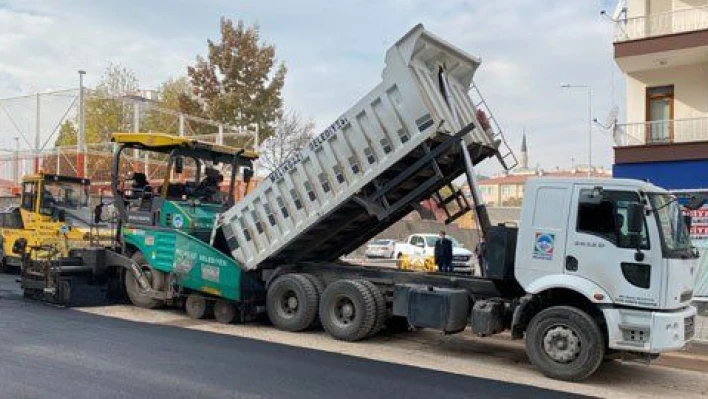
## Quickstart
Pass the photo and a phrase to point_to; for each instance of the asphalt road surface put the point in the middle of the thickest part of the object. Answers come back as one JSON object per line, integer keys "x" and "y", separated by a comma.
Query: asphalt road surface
{"x": 51, "y": 352}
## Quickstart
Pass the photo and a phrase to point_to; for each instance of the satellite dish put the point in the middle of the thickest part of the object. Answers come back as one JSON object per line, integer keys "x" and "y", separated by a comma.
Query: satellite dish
{"x": 612, "y": 117}
{"x": 620, "y": 9}
{"x": 610, "y": 120}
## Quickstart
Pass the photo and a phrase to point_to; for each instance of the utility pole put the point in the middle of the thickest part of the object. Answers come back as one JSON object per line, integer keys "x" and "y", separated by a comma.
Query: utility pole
{"x": 16, "y": 162}
{"x": 37, "y": 127}
{"x": 589, "y": 89}
{"x": 81, "y": 139}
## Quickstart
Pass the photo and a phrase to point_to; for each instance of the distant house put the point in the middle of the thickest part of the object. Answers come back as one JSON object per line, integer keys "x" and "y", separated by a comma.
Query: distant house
{"x": 507, "y": 190}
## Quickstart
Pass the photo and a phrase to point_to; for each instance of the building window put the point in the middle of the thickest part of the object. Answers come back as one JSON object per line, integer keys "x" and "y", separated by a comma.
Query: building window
{"x": 659, "y": 114}
{"x": 507, "y": 190}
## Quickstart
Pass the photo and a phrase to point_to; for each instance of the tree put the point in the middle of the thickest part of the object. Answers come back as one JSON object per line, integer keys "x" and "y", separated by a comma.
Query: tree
{"x": 290, "y": 135}
{"x": 175, "y": 95}
{"x": 67, "y": 134}
{"x": 238, "y": 82}
{"x": 106, "y": 111}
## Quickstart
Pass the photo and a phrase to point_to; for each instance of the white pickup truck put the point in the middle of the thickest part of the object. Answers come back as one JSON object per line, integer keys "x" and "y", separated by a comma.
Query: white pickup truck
{"x": 423, "y": 245}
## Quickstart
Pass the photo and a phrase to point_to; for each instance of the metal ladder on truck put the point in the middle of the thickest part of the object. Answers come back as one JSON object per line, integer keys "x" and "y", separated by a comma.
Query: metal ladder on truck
{"x": 504, "y": 155}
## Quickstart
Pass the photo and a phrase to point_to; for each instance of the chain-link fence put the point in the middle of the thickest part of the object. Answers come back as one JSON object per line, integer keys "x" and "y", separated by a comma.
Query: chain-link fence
{"x": 43, "y": 132}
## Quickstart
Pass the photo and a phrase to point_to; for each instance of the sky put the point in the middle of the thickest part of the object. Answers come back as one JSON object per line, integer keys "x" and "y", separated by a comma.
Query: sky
{"x": 334, "y": 52}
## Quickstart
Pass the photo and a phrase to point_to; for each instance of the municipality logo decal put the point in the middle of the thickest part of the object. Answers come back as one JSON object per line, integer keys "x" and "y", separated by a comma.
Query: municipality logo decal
{"x": 543, "y": 247}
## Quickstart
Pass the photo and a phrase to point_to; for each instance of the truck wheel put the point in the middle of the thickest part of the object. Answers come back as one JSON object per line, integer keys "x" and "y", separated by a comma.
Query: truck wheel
{"x": 224, "y": 311}
{"x": 291, "y": 302}
{"x": 319, "y": 287}
{"x": 196, "y": 306}
{"x": 137, "y": 295}
{"x": 565, "y": 343}
{"x": 380, "y": 301}
{"x": 348, "y": 310}
{"x": 3, "y": 258}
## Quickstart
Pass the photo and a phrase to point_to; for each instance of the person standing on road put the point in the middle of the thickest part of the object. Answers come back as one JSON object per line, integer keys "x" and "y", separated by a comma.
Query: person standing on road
{"x": 443, "y": 253}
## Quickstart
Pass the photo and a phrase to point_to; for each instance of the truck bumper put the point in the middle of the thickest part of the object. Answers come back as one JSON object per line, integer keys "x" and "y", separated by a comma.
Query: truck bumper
{"x": 649, "y": 331}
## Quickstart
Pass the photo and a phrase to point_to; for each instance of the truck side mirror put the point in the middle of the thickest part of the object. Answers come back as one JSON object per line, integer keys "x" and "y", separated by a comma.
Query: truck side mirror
{"x": 635, "y": 218}
{"x": 635, "y": 224}
{"x": 688, "y": 220}
{"x": 696, "y": 201}
{"x": 179, "y": 165}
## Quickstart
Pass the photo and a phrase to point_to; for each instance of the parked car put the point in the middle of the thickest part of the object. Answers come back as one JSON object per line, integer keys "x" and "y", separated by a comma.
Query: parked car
{"x": 418, "y": 245}
{"x": 381, "y": 248}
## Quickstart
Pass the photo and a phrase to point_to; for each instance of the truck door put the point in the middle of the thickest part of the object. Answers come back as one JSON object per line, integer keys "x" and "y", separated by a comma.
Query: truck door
{"x": 600, "y": 249}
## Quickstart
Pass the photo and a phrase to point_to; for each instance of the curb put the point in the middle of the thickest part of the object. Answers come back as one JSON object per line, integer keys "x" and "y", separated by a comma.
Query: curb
{"x": 698, "y": 347}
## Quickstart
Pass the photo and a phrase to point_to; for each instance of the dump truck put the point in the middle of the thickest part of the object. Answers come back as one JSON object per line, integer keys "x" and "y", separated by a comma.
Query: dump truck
{"x": 595, "y": 269}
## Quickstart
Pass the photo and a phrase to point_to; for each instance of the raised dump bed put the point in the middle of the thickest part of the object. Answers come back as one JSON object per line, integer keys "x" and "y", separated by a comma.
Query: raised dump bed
{"x": 398, "y": 145}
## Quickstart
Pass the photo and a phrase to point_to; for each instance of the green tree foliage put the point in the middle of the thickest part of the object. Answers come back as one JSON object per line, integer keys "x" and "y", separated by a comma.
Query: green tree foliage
{"x": 67, "y": 134}
{"x": 239, "y": 82}
{"x": 106, "y": 110}
{"x": 176, "y": 95}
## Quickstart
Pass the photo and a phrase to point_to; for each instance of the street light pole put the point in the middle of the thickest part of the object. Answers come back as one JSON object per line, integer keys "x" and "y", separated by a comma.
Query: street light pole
{"x": 81, "y": 139}
{"x": 589, "y": 89}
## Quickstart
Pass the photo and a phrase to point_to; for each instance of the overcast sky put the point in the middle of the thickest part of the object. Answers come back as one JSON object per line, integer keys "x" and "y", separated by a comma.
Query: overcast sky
{"x": 334, "y": 53}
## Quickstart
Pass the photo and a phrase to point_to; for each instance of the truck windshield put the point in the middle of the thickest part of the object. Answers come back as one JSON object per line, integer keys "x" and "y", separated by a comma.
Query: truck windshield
{"x": 674, "y": 233}
{"x": 65, "y": 195}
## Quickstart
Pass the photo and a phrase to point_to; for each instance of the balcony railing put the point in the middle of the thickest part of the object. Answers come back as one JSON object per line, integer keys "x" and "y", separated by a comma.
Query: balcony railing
{"x": 662, "y": 132}
{"x": 660, "y": 24}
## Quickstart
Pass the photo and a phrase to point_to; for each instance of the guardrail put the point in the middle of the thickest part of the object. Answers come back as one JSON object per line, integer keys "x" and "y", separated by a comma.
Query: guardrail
{"x": 662, "y": 132}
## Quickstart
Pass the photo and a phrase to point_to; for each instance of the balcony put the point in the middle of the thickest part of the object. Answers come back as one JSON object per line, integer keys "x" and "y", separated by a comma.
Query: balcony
{"x": 662, "y": 132}
{"x": 661, "y": 24}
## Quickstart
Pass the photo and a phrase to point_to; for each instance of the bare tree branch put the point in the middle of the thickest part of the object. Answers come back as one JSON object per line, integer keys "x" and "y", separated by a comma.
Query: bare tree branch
{"x": 291, "y": 134}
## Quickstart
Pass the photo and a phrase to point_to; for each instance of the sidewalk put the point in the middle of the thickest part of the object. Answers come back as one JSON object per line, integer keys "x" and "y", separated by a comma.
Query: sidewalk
{"x": 702, "y": 329}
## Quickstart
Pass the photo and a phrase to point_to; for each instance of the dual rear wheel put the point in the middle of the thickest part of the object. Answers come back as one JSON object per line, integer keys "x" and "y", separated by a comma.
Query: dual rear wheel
{"x": 349, "y": 310}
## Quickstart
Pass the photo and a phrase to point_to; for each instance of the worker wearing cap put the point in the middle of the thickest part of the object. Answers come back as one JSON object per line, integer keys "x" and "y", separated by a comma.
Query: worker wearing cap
{"x": 443, "y": 253}
{"x": 209, "y": 187}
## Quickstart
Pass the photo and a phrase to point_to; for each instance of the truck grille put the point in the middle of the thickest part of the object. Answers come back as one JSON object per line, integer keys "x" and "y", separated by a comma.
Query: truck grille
{"x": 460, "y": 258}
{"x": 689, "y": 327}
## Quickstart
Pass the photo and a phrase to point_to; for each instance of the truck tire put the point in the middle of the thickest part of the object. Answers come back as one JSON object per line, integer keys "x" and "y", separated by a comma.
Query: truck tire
{"x": 3, "y": 256}
{"x": 565, "y": 343}
{"x": 197, "y": 307}
{"x": 347, "y": 310}
{"x": 3, "y": 264}
{"x": 380, "y": 301}
{"x": 320, "y": 287}
{"x": 138, "y": 296}
{"x": 291, "y": 302}
{"x": 225, "y": 311}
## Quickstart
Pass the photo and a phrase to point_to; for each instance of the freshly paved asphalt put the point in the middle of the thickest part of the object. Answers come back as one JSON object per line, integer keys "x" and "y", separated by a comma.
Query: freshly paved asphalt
{"x": 50, "y": 352}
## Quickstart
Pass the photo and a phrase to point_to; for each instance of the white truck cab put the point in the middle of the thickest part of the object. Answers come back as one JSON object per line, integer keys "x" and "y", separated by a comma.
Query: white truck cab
{"x": 576, "y": 235}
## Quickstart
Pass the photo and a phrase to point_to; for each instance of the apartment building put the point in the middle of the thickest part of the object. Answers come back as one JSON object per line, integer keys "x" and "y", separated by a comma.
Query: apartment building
{"x": 661, "y": 46}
